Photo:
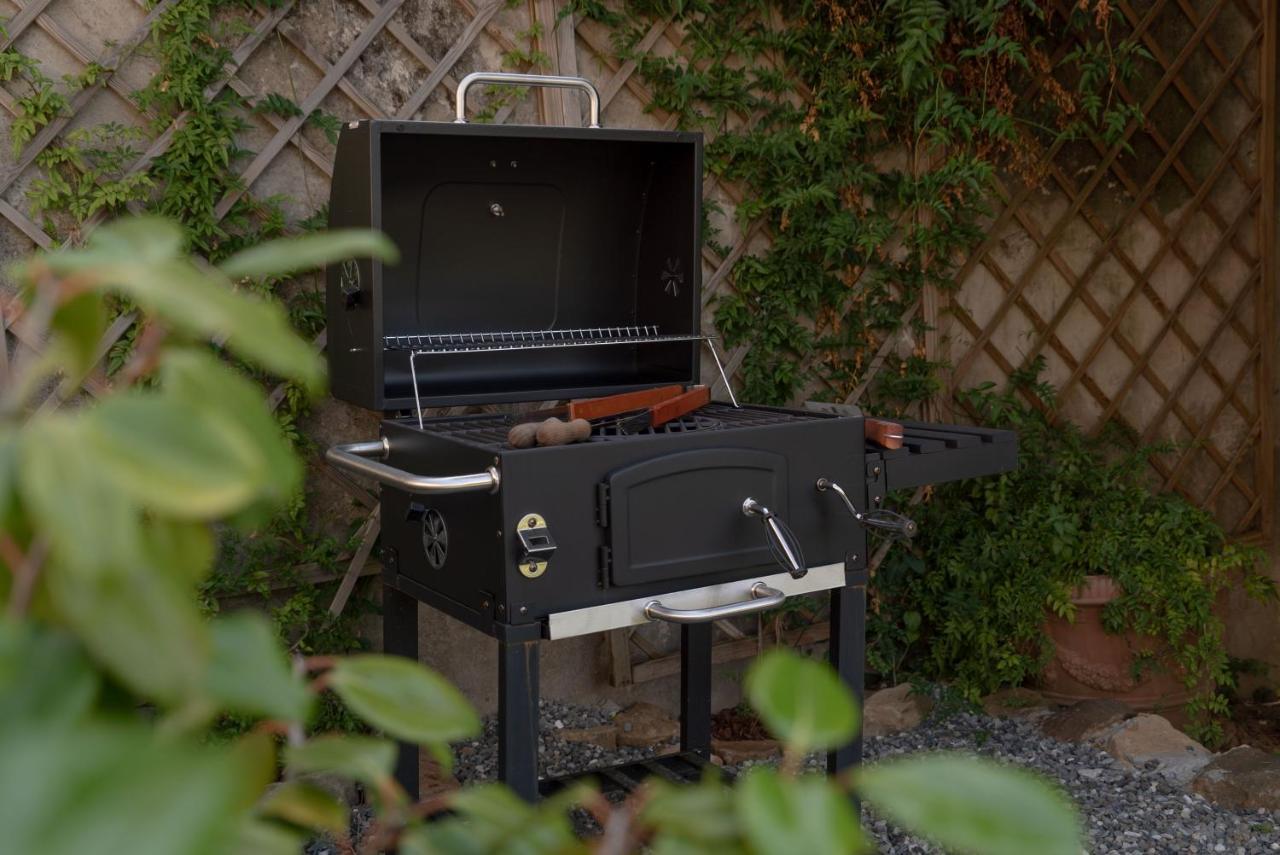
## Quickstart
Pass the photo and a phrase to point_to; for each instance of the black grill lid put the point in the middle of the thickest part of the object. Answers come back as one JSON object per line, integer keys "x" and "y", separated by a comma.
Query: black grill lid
{"x": 536, "y": 263}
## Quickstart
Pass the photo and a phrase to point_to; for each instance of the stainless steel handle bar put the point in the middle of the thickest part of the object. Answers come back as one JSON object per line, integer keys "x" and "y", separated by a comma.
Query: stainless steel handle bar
{"x": 354, "y": 457}
{"x": 552, "y": 80}
{"x": 762, "y": 597}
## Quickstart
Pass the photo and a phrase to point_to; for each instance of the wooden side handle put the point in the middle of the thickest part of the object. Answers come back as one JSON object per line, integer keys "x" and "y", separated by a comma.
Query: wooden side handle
{"x": 611, "y": 405}
{"x": 884, "y": 433}
{"x": 674, "y": 408}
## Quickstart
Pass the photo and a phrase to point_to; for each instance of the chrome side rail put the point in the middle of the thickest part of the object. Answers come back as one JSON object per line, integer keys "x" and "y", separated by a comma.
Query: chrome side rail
{"x": 355, "y": 457}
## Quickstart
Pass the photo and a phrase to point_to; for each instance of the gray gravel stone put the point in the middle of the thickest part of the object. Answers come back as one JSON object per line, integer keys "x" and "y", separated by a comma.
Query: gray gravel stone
{"x": 1123, "y": 811}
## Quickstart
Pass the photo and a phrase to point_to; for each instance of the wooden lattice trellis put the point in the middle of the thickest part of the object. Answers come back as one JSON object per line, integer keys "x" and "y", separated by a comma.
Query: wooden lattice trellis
{"x": 1143, "y": 275}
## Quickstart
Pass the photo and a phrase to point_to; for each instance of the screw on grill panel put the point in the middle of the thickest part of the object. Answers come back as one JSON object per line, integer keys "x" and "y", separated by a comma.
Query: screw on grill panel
{"x": 524, "y": 610}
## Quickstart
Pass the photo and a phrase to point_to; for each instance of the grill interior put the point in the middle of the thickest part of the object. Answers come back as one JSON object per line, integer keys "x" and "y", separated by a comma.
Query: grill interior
{"x": 490, "y": 432}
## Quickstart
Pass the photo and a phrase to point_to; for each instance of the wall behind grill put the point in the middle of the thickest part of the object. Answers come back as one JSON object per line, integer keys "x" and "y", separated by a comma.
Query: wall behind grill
{"x": 1144, "y": 278}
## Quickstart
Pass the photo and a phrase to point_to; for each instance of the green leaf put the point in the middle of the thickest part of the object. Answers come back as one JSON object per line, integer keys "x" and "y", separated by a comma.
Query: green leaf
{"x": 142, "y": 626}
{"x": 306, "y": 805}
{"x": 128, "y": 240}
{"x": 493, "y": 819}
{"x": 802, "y": 701}
{"x": 78, "y": 325}
{"x": 972, "y": 805}
{"x": 88, "y": 526}
{"x": 139, "y": 258}
{"x": 808, "y": 814}
{"x": 289, "y": 255}
{"x": 703, "y": 814}
{"x": 156, "y": 452}
{"x": 45, "y": 678}
{"x": 179, "y": 547}
{"x": 268, "y": 838}
{"x": 114, "y": 789}
{"x": 403, "y": 698}
{"x": 206, "y": 385}
{"x": 362, "y": 758}
{"x": 249, "y": 673}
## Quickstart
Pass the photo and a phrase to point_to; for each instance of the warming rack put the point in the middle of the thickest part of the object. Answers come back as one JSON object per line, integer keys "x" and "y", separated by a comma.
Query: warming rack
{"x": 438, "y": 344}
{"x": 487, "y": 342}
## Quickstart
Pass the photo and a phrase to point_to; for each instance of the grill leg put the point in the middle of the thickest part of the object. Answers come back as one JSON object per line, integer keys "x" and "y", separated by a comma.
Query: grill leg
{"x": 400, "y": 638}
{"x": 695, "y": 689}
{"x": 847, "y": 651}
{"x": 518, "y": 717}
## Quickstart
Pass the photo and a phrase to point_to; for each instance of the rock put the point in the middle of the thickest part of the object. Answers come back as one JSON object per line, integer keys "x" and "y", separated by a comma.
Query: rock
{"x": 894, "y": 710}
{"x": 734, "y": 751}
{"x": 643, "y": 724}
{"x": 1243, "y": 778}
{"x": 1085, "y": 720}
{"x": 1014, "y": 703}
{"x": 605, "y": 735}
{"x": 1148, "y": 739}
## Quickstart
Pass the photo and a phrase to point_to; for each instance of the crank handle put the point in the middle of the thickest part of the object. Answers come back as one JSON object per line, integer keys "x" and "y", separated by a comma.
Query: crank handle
{"x": 785, "y": 547}
{"x": 889, "y": 521}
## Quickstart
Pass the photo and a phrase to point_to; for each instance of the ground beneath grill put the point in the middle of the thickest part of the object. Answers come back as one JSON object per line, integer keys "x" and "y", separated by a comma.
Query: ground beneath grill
{"x": 1123, "y": 811}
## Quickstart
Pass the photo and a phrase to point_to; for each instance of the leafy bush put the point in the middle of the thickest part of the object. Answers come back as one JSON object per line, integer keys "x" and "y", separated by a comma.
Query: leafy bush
{"x": 995, "y": 553}
{"x": 111, "y": 680}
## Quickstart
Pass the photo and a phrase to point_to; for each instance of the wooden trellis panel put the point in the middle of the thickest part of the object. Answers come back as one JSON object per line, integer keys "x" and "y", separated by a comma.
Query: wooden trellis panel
{"x": 1142, "y": 273}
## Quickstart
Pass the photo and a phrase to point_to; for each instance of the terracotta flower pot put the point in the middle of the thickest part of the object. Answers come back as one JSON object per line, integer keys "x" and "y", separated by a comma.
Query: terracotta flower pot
{"x": 1090, "y": 663}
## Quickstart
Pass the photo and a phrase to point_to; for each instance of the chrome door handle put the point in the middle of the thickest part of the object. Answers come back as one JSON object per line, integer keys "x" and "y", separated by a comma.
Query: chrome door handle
{"x": 553, "y": 80}
{"x": 354, "y": 457}
{"x": 783, "y": 543}
{"x": 762, "y": 597}
{"x": 890, "y": 521}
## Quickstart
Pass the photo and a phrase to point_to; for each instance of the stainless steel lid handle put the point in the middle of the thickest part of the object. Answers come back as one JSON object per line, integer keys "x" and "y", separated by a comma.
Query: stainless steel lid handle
{"x": 762, "y": 598}
{"x": 506, "y": 77}
{"x": 890, "y": 521}
{"x": 782, "y": 541}
{"x": 354, "y": 457}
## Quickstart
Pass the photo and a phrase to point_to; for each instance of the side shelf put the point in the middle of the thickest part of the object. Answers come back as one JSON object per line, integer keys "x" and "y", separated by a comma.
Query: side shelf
{"x": 935, "y": 454}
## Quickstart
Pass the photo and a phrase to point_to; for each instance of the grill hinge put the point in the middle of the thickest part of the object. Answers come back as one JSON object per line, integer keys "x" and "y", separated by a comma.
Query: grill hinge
{"x": 876, "y": 485}
{"x": 606, "y": 564}
{"x": 602, "y": 505}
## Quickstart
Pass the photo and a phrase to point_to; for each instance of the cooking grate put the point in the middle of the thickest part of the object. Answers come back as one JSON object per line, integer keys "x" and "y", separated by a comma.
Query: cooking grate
{"x": 490, "y": 432}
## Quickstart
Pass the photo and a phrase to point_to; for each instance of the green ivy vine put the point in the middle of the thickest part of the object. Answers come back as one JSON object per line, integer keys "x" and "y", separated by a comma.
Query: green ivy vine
{"x": 864, "y": 136}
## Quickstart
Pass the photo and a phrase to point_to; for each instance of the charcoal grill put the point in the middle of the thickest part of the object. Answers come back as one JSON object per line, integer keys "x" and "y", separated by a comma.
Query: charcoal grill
{"x": 542, "y": 264}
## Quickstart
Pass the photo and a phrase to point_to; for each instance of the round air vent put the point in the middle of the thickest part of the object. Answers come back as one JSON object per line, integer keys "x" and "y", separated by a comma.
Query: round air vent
{"x": 435, "y": 538}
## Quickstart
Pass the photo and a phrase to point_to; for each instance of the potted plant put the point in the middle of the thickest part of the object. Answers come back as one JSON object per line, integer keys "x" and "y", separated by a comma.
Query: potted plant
{"x": 1071, "y": 571}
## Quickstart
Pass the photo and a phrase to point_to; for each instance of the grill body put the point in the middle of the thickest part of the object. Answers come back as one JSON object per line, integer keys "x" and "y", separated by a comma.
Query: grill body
{"x": 631, "y": 516}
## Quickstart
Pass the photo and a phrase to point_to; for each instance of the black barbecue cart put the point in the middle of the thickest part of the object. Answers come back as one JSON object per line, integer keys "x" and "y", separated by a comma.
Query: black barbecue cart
{"x": 543, "y": 263}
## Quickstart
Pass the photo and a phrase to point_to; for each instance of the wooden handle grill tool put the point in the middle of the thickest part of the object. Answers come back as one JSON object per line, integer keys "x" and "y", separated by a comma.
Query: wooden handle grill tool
{"x": 884, "y": 433}
{"x": 669, "y": 403}
{"x": 600, "y": 408}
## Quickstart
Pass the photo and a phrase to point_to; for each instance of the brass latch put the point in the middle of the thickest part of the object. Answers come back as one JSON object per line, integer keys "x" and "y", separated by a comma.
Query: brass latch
{"x": 536, "y": 544}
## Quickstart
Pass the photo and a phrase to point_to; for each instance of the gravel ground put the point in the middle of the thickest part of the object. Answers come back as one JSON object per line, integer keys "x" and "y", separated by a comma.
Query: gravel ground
{"x": 1124, "y": 811}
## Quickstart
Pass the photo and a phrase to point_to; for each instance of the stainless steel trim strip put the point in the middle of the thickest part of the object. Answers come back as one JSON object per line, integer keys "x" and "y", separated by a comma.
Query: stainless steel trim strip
{"x": 632, "y": 612}
{"x": 354, "y": 458}
{"x": 554, "y": 80}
